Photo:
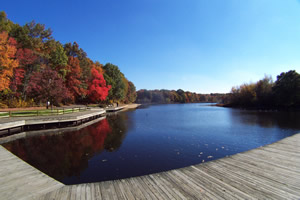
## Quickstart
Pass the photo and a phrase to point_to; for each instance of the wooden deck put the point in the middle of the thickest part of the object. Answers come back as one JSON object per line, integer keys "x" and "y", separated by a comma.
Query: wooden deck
{"x": 19, "y": 180}
{"x": 47, "y": 132}
{"x": 270, "y": 172}
{"x": 21, "y": 122}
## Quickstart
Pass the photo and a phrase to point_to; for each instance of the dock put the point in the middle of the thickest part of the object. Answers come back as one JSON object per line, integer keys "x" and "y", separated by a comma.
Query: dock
{"x": 115, "y": 109}
{"x": 21, "y": 124}
{"x": 269, "y": 172}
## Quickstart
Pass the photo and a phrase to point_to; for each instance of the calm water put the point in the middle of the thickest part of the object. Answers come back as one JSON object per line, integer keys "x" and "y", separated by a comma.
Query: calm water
{"x": 152, "y": 139}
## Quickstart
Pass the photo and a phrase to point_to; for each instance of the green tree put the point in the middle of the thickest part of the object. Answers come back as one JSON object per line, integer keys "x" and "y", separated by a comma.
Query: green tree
{"x": 114, "y": 77}
{"x": 5, "y": 24}
{"x": 287, "y": 89}
{"x": 59, "y": 60}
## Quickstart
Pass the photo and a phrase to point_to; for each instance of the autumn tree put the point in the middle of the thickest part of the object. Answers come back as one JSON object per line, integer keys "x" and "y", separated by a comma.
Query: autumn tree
{"x": 26, "y": 50}
{"x": 98, "y": 90}
{"x": 7, "y": 59}
{"x": 131, "y": 93}
{"x": 263, "y": 89}
{"x": 73, "y": 78}
{"x": 47, "y": 85}
{"x": 17, "y": 80}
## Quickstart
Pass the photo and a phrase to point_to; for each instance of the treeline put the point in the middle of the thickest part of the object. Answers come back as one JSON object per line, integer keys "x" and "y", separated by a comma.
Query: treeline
{"x": 283, "y": 93}
{"x": 35, "y": 68}
{"x": 179, "y": 96}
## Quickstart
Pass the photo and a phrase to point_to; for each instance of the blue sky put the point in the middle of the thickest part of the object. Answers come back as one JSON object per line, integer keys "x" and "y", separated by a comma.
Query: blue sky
{"x": 201, "y": 46}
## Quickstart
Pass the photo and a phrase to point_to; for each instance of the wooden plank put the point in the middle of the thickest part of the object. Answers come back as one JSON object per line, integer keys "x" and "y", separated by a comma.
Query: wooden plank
{"x": 152, "y": 194}
{"x": 270, "y": 170}
{"x": 166, "y": 189}
{"x": 272, "y": 163}
{"x": 187, "y": 187}
{"x": 119, "y": 190}
{"x": 156, "y": 190}
{"x": 138, "y": 184}
{"x": 137, "y": 193}
{"x": 218, "y": 191}
{"x": 97, "y": 188}
{"x": 235, "y": 181}
{"x": 105, "y": 190}
{"x": 174, "y": 190}
{"x": 126, "y": 190}
{"x": 260, "y": 182}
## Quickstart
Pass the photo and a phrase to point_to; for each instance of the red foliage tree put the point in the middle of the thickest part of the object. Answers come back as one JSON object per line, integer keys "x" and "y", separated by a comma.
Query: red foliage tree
{"x": 98, "y": 90}
{"x": 47, "y": 85}
{"x": 25, "y": 56}
{"x": 17, "y": 79}
{"x": 73, "y": 78}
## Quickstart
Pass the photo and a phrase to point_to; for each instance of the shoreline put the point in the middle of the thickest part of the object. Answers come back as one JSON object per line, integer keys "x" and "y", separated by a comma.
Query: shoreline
{"x": 14, "y": 126}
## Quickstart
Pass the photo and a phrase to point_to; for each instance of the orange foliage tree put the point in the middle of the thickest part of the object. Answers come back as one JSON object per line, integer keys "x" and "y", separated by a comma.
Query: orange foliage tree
{"x": 7, "y": 59}
{"x": 73, "y": 78}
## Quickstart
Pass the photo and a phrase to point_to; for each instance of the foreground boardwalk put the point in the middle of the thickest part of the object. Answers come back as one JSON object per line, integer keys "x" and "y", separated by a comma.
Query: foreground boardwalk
{"x": 270, "y": 172}
{"x": 18, "y": 180}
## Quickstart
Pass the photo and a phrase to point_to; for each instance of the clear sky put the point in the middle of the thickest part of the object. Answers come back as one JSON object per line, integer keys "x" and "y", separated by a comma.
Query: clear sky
{"x": 201, "y": 46}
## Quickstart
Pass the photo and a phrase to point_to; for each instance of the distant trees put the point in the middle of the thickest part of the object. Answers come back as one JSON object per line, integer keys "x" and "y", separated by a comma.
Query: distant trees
{"x": 32, "y": 62}
{"x": 285, "y": 92}
{"x": 179, "y": 96}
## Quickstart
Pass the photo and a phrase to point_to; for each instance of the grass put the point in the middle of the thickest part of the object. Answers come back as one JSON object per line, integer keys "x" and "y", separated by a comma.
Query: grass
{"x": 28, "y": 113}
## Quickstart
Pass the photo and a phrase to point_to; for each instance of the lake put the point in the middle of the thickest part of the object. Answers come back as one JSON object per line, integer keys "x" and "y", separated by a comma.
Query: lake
{"x": 152, "y": 139}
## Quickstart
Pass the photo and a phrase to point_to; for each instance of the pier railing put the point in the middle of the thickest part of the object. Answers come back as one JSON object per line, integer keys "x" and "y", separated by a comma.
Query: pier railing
{"x": 30, "y": 113}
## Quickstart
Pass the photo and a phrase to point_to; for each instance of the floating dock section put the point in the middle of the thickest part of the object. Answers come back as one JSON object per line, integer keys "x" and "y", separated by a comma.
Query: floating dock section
{"x": 115, "y": 109}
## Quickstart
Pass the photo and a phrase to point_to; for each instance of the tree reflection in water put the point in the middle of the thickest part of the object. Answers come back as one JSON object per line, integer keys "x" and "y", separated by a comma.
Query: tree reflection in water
{"x": 266, "y": 119}
{"x": 67, "y": 154}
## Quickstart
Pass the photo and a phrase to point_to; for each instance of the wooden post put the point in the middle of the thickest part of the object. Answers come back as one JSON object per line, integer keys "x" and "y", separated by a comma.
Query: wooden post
{"x": 57, "y": 112}
{"x": 9, "y": 113}
{"x": 37, "y": 113}
{"x": 63, "y": 110}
